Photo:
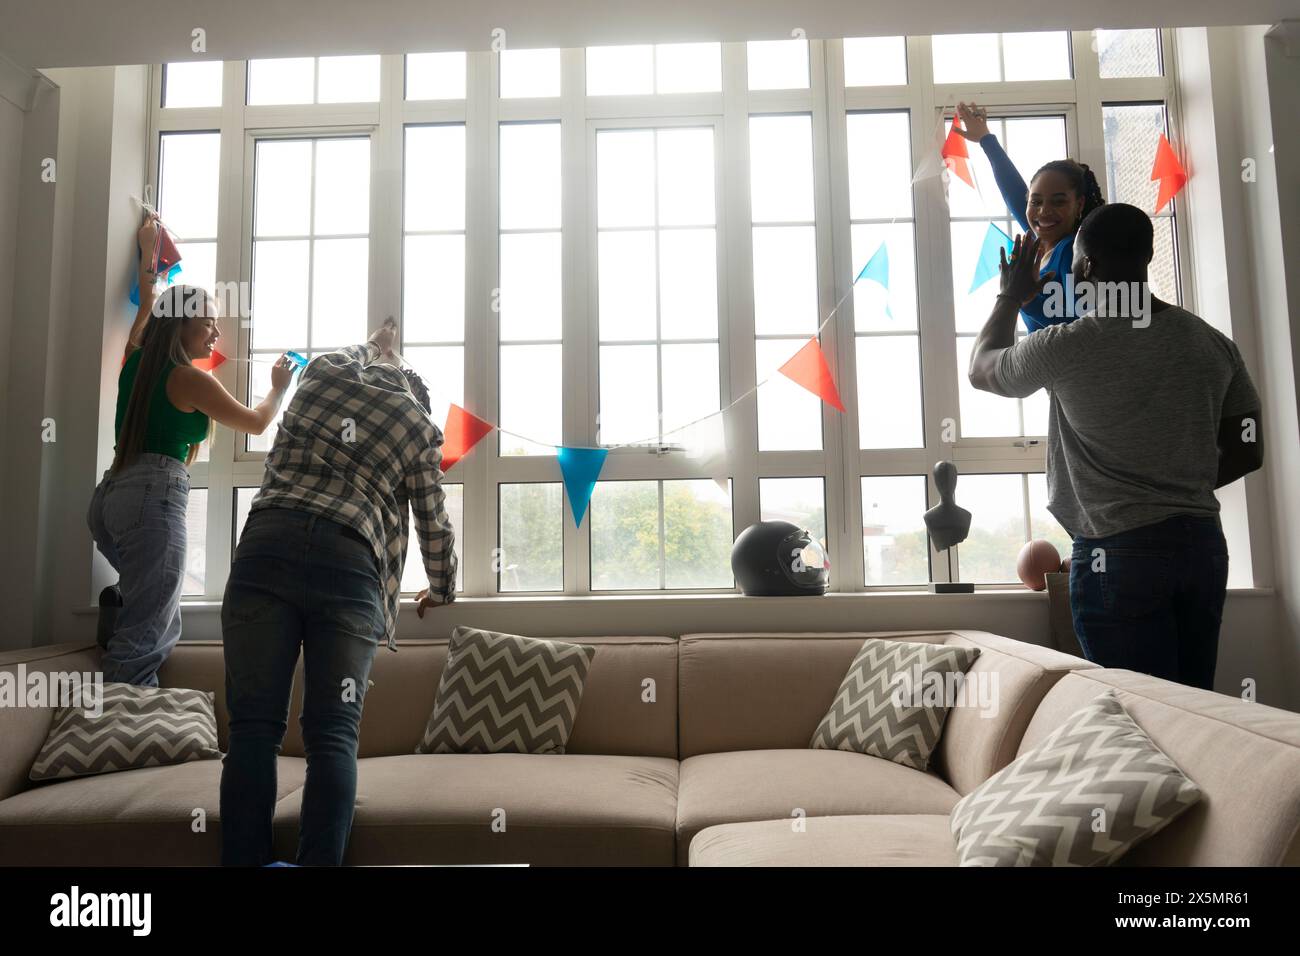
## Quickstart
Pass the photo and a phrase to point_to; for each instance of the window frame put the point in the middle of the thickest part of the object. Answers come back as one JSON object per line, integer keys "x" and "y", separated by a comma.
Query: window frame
{"x": 840, "y": 462}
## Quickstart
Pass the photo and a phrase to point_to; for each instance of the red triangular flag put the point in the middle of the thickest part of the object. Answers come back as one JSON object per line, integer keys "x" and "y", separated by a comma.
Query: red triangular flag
{"x": 209, "y": 364}
{"x": 462, "y": 433}
{"x": 955, "y": 155}
{"x": 1169, "y": 171}
{"x": 808, "y": 368}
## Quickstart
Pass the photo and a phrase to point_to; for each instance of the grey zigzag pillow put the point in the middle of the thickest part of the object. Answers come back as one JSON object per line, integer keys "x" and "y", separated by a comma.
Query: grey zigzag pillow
{"x": 501, "y": 693}
{"x": 1094, "y": 788}
{"x": 886, "y": 705}
{"x": 134, "y": 727}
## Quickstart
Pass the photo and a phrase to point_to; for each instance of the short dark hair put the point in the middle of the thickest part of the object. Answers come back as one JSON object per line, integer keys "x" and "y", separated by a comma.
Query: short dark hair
{"x": 1118, "y": 233}
{"x": 418, "y": 388}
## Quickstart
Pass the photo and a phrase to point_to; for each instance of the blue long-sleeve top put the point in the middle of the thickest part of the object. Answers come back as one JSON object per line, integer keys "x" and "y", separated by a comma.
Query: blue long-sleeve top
{"x": 1016, "y": 194}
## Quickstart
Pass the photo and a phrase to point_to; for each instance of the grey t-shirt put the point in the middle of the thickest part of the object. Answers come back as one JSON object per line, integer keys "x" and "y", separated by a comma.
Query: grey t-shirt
{"x": 1133, "y": 427}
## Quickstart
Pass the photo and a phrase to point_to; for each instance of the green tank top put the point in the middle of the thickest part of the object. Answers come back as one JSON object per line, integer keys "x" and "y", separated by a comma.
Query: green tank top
{"x": 170, "y": 431}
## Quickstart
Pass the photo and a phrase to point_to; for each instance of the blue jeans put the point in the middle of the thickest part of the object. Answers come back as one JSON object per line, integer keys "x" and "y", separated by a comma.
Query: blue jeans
{"x": 137, "y": 519}
{"x": 1151, "y": 599}
{"x": 298, "y": 580}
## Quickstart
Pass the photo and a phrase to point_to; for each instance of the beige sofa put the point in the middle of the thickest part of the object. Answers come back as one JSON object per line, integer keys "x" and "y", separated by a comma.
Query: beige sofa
{"x": 713, "y": 770}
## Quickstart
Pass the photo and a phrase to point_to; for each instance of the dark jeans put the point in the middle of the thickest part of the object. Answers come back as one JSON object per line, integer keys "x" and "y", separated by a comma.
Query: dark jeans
{"x": 1151, "y": 599}
{"x": 298, "y": 579}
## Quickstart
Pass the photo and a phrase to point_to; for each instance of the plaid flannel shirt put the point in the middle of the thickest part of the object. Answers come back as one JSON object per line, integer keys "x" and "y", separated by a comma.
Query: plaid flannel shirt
{"x": 355, "y": 447}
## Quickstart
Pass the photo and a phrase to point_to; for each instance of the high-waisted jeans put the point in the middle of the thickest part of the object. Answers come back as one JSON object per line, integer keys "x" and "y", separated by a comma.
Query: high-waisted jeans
{"x": 299, "y": 580}
{"x": 137, "y": 518}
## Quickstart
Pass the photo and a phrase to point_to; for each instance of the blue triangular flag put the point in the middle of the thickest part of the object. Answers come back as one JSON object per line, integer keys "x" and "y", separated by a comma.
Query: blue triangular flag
{"x": 877, "y": 269}
{"x": 170, "y": 278}
{"x": 580, "y": 467}
{"x": 987, "y": 266}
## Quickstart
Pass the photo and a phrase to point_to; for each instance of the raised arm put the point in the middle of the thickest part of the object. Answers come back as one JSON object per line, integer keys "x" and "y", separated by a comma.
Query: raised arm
{"x": 199, "y": 389}
{"x": 147, "y": 239}
{"x": 1014, "y": 191}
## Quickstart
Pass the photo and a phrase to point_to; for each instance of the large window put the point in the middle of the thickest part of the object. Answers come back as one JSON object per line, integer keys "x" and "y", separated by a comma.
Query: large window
{"x": 600, "y": 247}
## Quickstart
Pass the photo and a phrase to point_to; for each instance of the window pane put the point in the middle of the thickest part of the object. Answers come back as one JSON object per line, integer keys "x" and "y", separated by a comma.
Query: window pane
{"x": 972, "y": 307}
{"x": 435, "y": 76}
{"x": 530, "y": 73}
{"x": 280, "y": 271}
{"x": 433, "y": 289}
{"x": 188, "y": 181}
{"x": 1163, "y": 271}
{"x": 624, "y": 518}
{"x": 283, "y": 188}
{"x": 688, "y": 284}
{"x": 800, "y": 501}
{"x": 199, "y": 264}
{"x": 1132, "y": 132}
{"x": 880, "y": 165}
{"x": 1041, "y": 523}
{"x": 966, "y": 58}
{"x": 997, "y": 531}
{"x": 435, "y": 177}
{"x": 626, "y": 285}
{"x": 889, "y": 392}
{"x": 530, "y": 176}
{"x": 192, "y": 84}
{"x": 196, "y": 543}
{"x": 620, "y": 70}
{"x": 1123, "y": 53}
{"x": 532, "y": 537}
{"x": 690, "y": 389}
{"x": 282, "y": 81}
{"x": 895, "y": 548}
{"x": 785, "y": 280}
{"x": 629, "y": 399}
{"x": 781, "y": 168}
{"x": 531, "y": 399}
{"x": 697, "y": 535}
{"x": 789, "y": 416}
{"x": 414, "y": 579}
{"x": 625, "y": 178}
{"x": 688, "y": 68}
{"x": 243, "y": 501}
{"x": 342, "y": 186}
{"x": 530, "y": 302}
{"x": 340, "y": 269}
{"x": 685, "y": 176}
{"x": 442, "y": 367}
{"x": 1036, "y": 56}
{"x": 348, "y": 79}
{"x": 876, "y": 308}
{"x": 778, "y": 64}
{"x": 983, "y": 414}
{"x": 875, "y": 61}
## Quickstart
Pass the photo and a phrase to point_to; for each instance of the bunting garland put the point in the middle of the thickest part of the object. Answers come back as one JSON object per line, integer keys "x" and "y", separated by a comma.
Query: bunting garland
{"x": 1169, "y": 171}
{"x": 988, "y": 265}
{"x": 808, "y": 368}
{"x": 956, "y": 155}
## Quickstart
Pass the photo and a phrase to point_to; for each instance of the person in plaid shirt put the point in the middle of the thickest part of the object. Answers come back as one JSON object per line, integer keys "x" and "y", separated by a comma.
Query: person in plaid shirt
{"x": 319, "y": 566}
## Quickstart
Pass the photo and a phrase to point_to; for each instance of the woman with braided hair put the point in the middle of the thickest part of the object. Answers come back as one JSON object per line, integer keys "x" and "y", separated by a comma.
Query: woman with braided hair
{"x": 1051, "y": 207}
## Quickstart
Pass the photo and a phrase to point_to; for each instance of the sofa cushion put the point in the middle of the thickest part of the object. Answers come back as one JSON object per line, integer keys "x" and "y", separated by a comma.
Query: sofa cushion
{"x": 1095, "y": 787}
{"x": 141, "y": 817}
{"x": 776, "y": 784}
{"x": 502, "y": 693}
{"x": 1245, "y": 758}
{"x": 125, "y": 727}
{"x": 540, "y": 809}
{"x": 887, "y": 705}
{"x": 912, "y": 839}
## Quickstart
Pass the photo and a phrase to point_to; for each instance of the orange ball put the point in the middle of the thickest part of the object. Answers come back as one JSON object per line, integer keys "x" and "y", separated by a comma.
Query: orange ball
{"x": 1036, "y": 560}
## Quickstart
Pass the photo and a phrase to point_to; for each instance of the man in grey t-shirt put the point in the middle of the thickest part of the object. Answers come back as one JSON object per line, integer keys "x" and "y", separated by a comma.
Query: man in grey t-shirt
{"x": 1151, "y": 410}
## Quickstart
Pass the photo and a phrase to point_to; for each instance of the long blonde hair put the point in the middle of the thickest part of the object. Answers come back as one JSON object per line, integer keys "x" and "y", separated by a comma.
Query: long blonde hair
{"x": 175, "y": 306}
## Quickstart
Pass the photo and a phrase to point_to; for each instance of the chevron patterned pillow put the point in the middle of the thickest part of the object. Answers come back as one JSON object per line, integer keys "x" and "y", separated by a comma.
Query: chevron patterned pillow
{"x": 893, "y": 700}
{"x": 500, "y": 693}
{"x": 135, "y": 727}
{"x": 1095, "y": 787}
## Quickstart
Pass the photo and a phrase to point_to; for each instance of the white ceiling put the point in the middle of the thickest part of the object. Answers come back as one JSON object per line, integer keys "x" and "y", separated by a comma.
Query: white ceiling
{"x": 55, "y": 33}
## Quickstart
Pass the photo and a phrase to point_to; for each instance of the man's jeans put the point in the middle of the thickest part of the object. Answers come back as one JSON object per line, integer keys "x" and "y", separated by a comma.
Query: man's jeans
{"x": 298, "y": 579}
{"x": 137, "y": 518}
{"x": 1151, "y": 599}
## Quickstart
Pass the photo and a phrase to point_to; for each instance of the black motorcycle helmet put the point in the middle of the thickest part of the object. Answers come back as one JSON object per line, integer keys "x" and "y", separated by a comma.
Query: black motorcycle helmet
{"x": 779, "y": 558}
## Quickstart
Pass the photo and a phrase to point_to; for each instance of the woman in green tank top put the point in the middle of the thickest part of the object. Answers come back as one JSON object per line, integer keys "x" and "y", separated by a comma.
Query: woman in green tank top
{"x": 165, "y": 411}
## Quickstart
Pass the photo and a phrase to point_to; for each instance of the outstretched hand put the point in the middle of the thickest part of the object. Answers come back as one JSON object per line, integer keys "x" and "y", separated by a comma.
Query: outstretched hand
{"x": 423, "y": 600}
{"x": 385, "y": 337}
{"x": 1020, "y": 280}
{"x": 974, "y": 121}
